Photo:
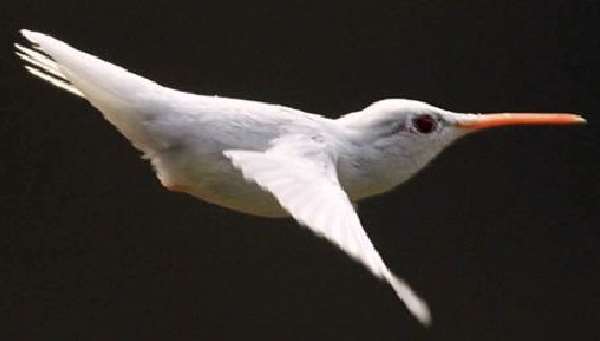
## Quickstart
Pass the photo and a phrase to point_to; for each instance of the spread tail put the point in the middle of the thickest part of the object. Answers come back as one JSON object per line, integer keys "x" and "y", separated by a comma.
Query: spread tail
{"x": 45, "y": 68}
{"x": 127, "y": 100}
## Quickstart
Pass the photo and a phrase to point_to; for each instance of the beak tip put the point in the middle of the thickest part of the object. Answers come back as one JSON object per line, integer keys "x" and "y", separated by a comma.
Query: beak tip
{"x": 580, "y": 119}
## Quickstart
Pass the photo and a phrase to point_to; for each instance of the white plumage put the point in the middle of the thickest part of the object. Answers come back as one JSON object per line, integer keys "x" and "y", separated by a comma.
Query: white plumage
{"x": 266, "y": 159}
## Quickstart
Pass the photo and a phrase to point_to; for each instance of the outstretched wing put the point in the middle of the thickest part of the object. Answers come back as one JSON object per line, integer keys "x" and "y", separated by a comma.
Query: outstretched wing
{"x": 303, "y": 178}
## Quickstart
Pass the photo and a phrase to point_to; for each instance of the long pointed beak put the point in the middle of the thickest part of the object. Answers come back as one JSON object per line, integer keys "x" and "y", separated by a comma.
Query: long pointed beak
{"x": 481, "y": 121}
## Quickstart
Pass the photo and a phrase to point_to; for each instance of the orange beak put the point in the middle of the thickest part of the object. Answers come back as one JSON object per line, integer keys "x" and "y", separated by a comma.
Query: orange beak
{"x": 508, "y": 119}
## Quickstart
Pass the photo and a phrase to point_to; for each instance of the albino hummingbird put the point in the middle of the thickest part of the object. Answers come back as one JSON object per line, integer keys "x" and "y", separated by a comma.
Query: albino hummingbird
{"x": 269, "y": 160}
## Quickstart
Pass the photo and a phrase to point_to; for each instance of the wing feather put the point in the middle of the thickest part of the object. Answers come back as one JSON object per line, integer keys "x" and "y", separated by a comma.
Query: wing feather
{"x": 306, "y": 185}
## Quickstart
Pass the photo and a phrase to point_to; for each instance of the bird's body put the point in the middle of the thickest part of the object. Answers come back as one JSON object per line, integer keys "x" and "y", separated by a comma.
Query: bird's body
{"x": 364, "y": 165}
{"x": 269, "y": 160}
{"x": 191, "y": 159}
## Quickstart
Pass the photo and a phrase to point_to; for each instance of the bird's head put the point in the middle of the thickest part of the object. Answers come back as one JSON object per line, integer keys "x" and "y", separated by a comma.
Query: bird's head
{"x": 423, "y": 122}
{"x": 407, "y": 134}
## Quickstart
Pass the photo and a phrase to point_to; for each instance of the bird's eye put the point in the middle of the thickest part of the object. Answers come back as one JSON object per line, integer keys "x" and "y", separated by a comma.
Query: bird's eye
{"x": 424, "y": 124}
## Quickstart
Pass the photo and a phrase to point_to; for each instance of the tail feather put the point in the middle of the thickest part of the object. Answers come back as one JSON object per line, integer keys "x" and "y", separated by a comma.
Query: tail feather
{"x": 127, "y": 100}
{"x": 39, "y": 60}
{"x": 46, "y": 69}
{"x": 54, "y": 81}
{"x": 78, "y": 66}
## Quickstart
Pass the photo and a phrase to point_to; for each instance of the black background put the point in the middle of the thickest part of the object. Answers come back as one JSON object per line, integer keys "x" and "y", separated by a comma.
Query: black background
{"x": 500, "y": 234}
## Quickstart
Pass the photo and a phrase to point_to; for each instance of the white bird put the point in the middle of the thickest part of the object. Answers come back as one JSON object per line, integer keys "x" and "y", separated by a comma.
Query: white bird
{"x": 269, "y": 160}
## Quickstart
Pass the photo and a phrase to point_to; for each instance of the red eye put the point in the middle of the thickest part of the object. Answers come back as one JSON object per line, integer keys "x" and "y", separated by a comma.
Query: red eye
{"x": 424, "y": 124}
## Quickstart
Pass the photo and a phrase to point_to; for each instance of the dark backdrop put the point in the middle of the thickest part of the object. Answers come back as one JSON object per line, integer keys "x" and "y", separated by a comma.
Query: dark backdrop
{"x": 500, "y": 234}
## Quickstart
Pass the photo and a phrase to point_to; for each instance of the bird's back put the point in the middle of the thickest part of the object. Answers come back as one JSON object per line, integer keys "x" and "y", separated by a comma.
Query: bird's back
{"x": 182, "y": 134}
{"x": 191, "y": 159}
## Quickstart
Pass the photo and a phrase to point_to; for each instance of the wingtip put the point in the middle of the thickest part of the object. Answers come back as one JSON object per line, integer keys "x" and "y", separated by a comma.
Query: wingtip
{"x": 413, "y": 302}
{"x": 421, "y": 311}
{"x": 424, "y": 317}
